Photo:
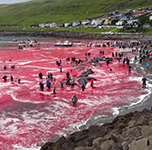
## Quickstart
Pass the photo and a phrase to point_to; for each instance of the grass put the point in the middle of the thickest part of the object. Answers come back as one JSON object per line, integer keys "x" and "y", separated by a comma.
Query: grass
{"x": 148, "y": 30}
{"x": 62, "y": 29}
{"x": 61, "y": 11}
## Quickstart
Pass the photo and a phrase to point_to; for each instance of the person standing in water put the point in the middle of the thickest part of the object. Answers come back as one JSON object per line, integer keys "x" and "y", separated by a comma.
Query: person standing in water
{"x": 54, "y": 88}
{"x": 60, "y": 68}
{"x": 129, "y": 69}
{"x": 83, "y": 87}
{"x": 19, "y": 80}
{"x": 11, "y": 78}
{"x": 74, "y": 100}
{"x": 91, "y": 83}
{"x": 40, "y": 75}
{"x": 41, "y": 86}
{"x": 48, "y": 83}
{"x": 144, "y": 82}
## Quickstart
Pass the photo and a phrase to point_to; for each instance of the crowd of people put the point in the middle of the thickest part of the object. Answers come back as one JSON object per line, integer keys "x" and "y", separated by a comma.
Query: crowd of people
{"x": 140, "y": 50}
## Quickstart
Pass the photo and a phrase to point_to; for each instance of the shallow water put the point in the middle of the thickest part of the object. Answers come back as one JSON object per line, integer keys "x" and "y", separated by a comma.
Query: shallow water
{"x": 30, "y": 117}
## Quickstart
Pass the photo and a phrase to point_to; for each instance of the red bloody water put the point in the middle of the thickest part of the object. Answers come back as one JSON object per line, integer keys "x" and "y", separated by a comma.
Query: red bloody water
{"x": 30, "y": 117}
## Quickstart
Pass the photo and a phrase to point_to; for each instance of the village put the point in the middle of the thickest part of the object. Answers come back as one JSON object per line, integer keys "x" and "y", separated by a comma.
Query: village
{"x": 129, "y": 19}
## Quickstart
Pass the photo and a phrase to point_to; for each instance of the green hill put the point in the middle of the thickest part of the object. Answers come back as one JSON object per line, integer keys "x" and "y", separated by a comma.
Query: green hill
{"x": 61, "y": 11}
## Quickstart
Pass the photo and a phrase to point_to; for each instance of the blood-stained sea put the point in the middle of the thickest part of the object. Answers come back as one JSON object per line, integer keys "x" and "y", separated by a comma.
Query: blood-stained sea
{"x": 30, "y": 117}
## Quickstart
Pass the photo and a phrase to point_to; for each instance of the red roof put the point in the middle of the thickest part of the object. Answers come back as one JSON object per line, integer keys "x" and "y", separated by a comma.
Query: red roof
{"x": 136, "y": 12}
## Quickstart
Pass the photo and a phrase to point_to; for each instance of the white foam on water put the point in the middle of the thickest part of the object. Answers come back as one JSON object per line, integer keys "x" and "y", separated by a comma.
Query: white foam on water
{"x": 24, "y": 62}
{"x": 19, "y": 99}
{"x": 78, "y": 125}
{"x": 8, "y": 126}
{"x": 58, "y": 113}
{"x": 20, "y": 147}
{"x": 115, "y": 111}
{"x": 89, "y": 101}
{"x": 141, "y": 99}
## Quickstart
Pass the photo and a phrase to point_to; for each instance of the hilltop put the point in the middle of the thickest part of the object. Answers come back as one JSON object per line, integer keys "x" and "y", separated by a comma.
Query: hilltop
{"x": 60, "y": 11}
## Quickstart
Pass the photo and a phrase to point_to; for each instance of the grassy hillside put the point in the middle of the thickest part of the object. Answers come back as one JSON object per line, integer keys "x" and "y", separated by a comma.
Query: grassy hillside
{"x": 61, "y": 11}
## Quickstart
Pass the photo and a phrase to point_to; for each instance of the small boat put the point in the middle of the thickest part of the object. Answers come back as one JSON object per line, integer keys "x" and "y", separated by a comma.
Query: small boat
{"x": 64, "y": 44}
{"x": 27, "y": 44}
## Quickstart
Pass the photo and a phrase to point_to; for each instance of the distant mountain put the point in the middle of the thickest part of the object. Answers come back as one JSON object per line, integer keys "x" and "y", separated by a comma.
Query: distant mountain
{"x": 61, "y": 11}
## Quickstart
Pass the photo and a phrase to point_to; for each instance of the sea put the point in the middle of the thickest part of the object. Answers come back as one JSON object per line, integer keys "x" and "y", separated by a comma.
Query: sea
{"x": 30, "y": 117}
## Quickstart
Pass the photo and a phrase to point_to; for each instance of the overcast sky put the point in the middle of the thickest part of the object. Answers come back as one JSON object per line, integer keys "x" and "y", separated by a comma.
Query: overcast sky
{"x": 12, "y": 1}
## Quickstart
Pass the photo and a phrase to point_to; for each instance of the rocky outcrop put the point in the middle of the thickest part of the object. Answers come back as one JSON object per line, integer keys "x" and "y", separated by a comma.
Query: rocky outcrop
{"x": 132, "y": 131}
{"x": 77, "y": 35}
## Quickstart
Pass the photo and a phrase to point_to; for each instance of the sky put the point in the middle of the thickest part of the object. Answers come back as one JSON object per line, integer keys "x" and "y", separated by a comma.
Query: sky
{"x": 12, "y": 1}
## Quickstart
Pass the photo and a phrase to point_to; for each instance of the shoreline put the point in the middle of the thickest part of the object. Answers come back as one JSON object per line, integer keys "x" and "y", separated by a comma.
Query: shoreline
{"x": 146, "y": 102}
{"x": 117, "y": 122}
{"x": 76, "y": 35}
{"x": 125, "y": 110}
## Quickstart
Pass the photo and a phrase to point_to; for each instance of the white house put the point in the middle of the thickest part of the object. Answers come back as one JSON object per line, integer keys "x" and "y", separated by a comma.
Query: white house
{"x": 43, "y": 25}
{"x": 67, "y": 24}
{"x": 75, "y": 23}
{"x": 120, "y": 23}
{"x": 53, "y": 25}
{"x": 150, "y": 17}
{"x": 131, "y": 21}
{"x": 97, "y": 21}
{"x": 47, "y": 24}
{"x": 85, "y": 22}
{"x": 146, "y": 26}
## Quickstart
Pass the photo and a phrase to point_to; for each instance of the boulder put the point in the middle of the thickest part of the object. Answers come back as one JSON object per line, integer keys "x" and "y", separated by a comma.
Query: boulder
{"x": 110, "y": 145}
{"x": 140, "y": 144}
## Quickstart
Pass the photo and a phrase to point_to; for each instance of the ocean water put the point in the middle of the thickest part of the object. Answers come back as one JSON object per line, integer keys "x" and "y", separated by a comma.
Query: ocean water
{"x": 30, "y": 117}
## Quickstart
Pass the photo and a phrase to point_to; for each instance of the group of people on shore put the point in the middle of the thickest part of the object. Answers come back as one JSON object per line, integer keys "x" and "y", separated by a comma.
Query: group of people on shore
{"x": 120, "y": 56}
{"x": 50, "y": 81}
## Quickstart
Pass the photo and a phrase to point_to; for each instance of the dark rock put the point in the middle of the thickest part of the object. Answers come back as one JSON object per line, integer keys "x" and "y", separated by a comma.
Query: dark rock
{"x": 132, "y": 132}
{"x": 110, "y": 145}
{"x": 52, "y": 146}
{"x": 129, "y": 132}
{"x": 47, "y": 146}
